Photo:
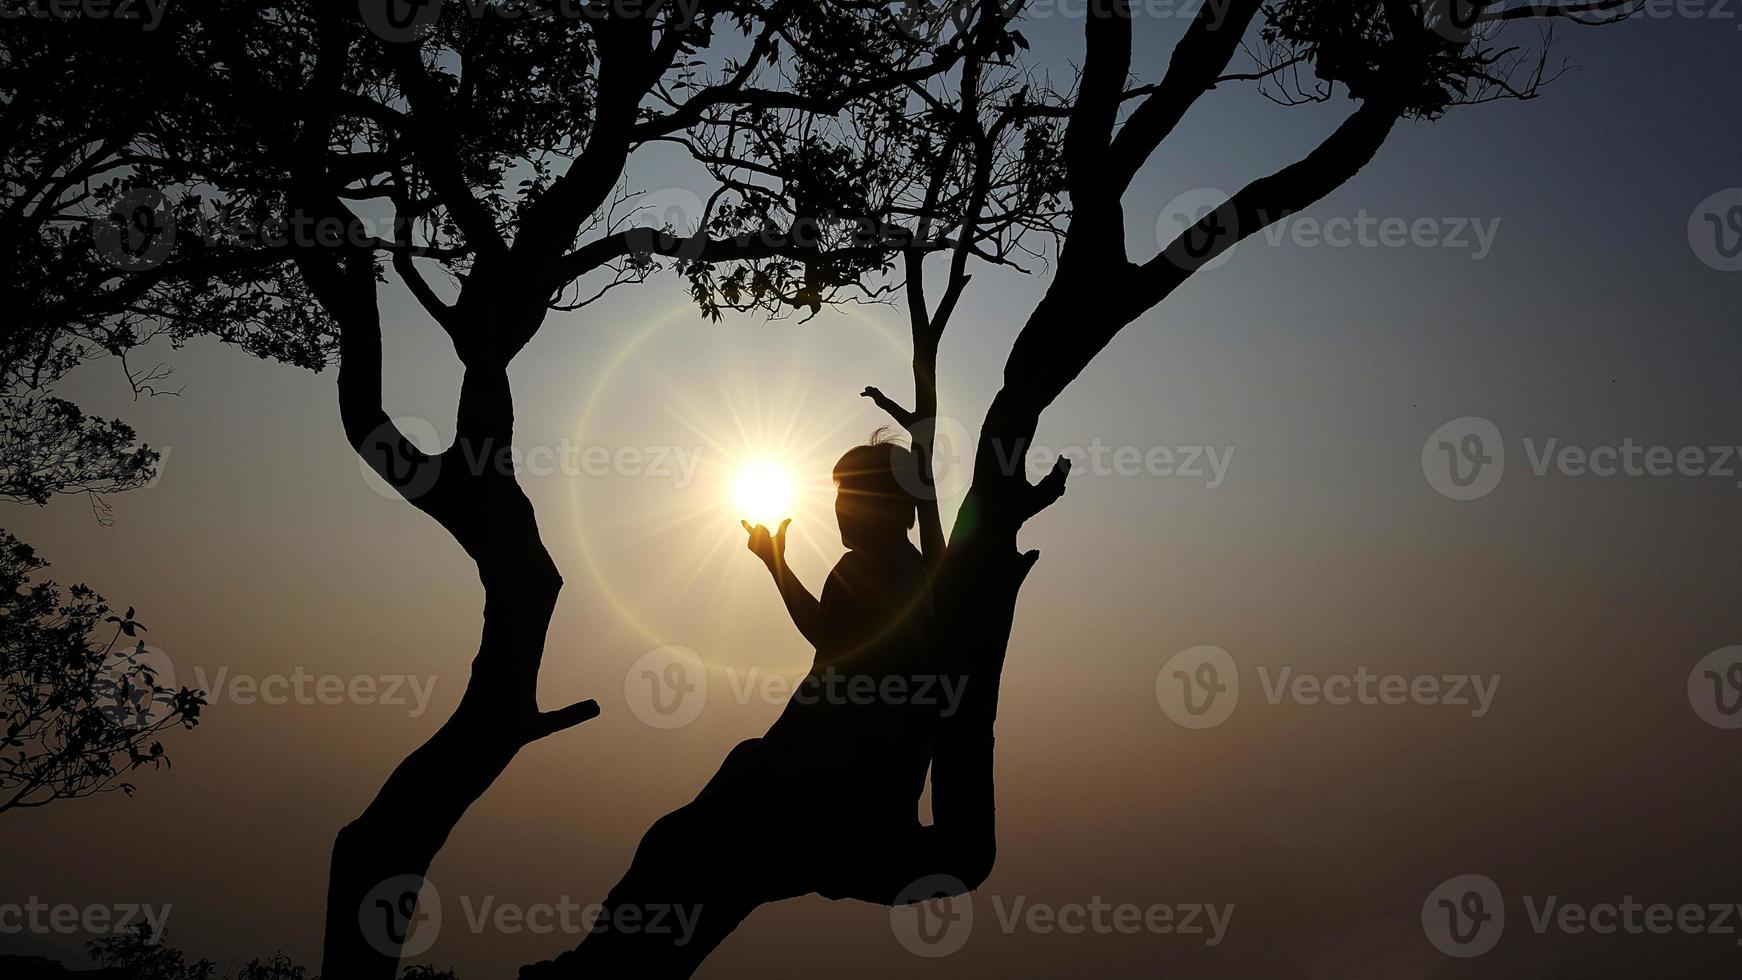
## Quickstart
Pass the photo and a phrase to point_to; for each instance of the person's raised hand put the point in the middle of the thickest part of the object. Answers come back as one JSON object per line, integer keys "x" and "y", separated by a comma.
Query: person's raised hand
{"x": 770, "y": 547}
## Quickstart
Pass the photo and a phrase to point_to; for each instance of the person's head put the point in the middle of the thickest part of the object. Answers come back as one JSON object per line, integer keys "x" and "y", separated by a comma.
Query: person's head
{"x": 873, "y": 501}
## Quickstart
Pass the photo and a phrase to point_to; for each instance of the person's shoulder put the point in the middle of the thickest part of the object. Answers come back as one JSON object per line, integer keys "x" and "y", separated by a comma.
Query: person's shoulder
{"x": 856, "y": 570}
{"x": 878, "y": 578}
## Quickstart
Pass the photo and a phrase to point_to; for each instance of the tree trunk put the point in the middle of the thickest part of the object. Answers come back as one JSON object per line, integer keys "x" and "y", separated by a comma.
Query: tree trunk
{"x": 380, "y": 859}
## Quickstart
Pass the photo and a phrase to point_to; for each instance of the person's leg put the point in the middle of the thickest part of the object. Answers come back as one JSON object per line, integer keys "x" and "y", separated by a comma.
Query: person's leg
{"x": 886, "y": 856}
{"x": 697, "y": 874}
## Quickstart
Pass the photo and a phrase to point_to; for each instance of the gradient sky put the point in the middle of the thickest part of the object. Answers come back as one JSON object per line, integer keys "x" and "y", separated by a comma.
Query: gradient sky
{"x": 1591, "y": 320}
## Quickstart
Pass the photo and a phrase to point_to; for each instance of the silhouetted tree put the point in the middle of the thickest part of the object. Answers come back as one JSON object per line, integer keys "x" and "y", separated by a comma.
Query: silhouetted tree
{"x": 78, "y": 714}
{"x": 93, "y": 110}
{"x": 79, "y": 711}
{"x": 284, "y": 154}
{"x": 492, "y": 149}
{"x": 1396, "y": 59}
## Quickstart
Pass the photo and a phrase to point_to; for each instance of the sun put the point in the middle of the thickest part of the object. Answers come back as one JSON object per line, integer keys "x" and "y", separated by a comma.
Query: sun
{"x": 753, "y": 437}
{"x": 763, "y": 491}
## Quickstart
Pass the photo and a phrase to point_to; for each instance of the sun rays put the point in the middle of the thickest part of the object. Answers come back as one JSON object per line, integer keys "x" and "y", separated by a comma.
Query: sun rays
{"x": 762, "y": 491}
{"x": 767, "y": 457}
{"x": 764, "y": 434}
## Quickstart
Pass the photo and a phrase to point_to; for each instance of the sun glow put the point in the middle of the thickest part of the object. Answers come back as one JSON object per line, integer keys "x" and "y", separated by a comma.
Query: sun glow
{"x": 763, "y": 492}
{"x": 738, "y": 431}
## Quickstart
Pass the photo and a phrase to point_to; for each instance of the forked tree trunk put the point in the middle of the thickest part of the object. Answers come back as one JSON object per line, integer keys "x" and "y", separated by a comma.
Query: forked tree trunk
{"x": 380, "y": 859}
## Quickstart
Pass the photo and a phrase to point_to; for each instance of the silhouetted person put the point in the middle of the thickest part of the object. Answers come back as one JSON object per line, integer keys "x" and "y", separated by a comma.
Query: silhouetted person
{"x": 852, "y": 724}
{"x": 827, "y": 802}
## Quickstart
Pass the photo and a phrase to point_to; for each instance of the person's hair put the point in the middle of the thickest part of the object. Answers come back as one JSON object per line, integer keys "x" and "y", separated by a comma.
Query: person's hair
{"x": 882, "y": 472}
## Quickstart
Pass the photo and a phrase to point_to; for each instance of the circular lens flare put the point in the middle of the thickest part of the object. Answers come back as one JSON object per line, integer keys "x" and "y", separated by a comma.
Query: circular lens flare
{"x": 763, "y": 492}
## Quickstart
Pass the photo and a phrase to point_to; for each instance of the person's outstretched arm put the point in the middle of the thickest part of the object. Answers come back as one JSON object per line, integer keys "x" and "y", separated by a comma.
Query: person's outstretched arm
{"x": 800, "y": 604}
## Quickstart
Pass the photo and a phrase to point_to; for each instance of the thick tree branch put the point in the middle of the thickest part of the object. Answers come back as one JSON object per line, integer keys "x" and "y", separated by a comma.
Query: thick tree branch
{"x": 551, "y": 223}
{"x": 550, "y": 723}
{"x": 432, "y": 142}
{"x": 1097, "y": 215}
{"x": 1198, "y": 63}
{"x": 1271, "y": 199}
